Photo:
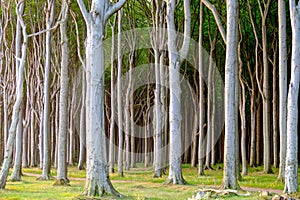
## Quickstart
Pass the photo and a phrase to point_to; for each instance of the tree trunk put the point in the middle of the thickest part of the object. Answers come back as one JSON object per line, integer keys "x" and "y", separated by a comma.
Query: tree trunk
{"x": 201, "y": 97}
{"x": 175, "y": 59}
{"x": 63, "y": 99}
{"x": 119, "y": 98}
{"x": 46, "y": 113}
{"x": 111, "y": 159}
{"x": 229, "y": 177}
{"x": 17, "y": 105}
{"x": 291, "y": 168}
{"x": 82, "y": 131}
{"x": 282, "y": 87}
{"x": 16, "y": 174}
{"x": 97, "y": 177}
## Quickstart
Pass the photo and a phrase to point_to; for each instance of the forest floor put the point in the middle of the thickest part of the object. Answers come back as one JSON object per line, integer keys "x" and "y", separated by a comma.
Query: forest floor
{"x": 139, "y": 184}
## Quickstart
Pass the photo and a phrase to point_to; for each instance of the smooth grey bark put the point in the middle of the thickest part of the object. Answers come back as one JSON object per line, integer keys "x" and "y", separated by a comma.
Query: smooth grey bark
{"x": 266, "y": 88}
{"x": 97, "y": 176}
{"x": 282, "y": 87}
{"x": 229, "y": 176}
{"x": 46, "y": 111}
{"x": 291, "y": 167}
{"x": 63, "y": 99}
{"x": 201, "y": 97}
{"x": 275, "y": 108}
{"x": 16, "y": 174}
{"x": 82, "y": 131}
{"x": 111, "y": 159}
{"x": 158, "y": 42}
{"x": 242, "y": 105}
{"x": 119, "y": 98}
{"x": 17, "y": 104}
{"x": 175, "y": 59}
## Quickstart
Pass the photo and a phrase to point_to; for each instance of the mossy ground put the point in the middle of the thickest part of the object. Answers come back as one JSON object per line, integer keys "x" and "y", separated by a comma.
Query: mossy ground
{"x": 137, "y": 183}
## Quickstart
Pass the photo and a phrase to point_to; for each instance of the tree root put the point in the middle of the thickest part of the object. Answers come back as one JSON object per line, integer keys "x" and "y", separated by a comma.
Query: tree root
{"x": 62, "y": 182}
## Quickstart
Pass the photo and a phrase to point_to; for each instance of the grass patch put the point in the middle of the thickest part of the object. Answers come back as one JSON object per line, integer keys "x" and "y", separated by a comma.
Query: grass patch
{"x": 137, "y": 183}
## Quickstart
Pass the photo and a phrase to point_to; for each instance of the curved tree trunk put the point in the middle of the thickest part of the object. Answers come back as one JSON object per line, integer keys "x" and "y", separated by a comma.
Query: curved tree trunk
{"x": 17, "y": 105}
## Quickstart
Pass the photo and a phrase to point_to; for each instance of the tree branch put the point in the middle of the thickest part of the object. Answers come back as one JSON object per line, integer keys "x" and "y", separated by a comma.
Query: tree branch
{"x": 113, "y": 8}
{"x": 83, "y": 10}
{"x": 211, "y": 7}
{"x": 187, "y": 30}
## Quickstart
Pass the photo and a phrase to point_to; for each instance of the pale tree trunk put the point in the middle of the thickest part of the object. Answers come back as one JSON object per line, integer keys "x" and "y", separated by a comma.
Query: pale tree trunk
{"x": 157, "y": 39}
{"x": 274, "y": 106}
{"x": 210, "y": 103}
{"x": 252, "y": 116}
{"x": 56, "y": 120}
{"x": 229, "y": 176}
{"x": 243, "y": 114}
{"x": 111, "y": 159}
{"x": 132, "y": 124}
{"x": 41, "y": 145}
{"x": 97, "y": 177}
{"x": 119, "y": 98}
{"x": 131, "y": 40}
{"x": 291, "y": 167}
{"x": 46, "y": 111}
{"x": 201, "y": 97}
{"x": 175, "y": 59}
{"x": 72, "y": 126}
{"x": 17, "y": 105}
{"x": 82, "y": 131}
{"x": 26, "y": 139}
{"x": 266, "y": 89}
{"x": 282, "y": 87}
{"x": 16, "y": 174}
{"x": 63, "y": 99}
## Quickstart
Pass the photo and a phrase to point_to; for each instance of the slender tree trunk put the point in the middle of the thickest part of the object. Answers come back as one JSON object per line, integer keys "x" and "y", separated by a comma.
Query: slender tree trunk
{"x": 229, "y": 177}
{"x": 282, "y": 87}
{"x": 63, "y": 99}
{"x": 291, "y": 167}
{"x": 119, "y": 98}
{"x": 46, "y": 113}
{"x": 175, "y": 59}
{"x": 17, "y": 105}
{"x": 16, "y": 174}
{"x": 201, "y": 97}
{"x": 275, "y": 115}
{"x": 111, "y": 159}
{"x": 82, "y": 130}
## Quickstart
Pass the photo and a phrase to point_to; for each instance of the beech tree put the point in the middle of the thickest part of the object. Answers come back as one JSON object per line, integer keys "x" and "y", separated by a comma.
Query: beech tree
{"x": 175, "y": 59}
{"x": 97, "y": 178}
{"x": 282, "y": 86}
{"x": 18, "y": 102}
{"x": 63, "y": 99}
{"x": 229, "y": 176}
{"x": 291, "y": 167}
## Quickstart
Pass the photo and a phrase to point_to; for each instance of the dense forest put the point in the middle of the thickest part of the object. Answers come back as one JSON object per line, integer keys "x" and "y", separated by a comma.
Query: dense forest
{"x": 107, "y": 85}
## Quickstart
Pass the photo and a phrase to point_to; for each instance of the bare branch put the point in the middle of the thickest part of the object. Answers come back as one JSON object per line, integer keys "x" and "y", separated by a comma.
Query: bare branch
{"x": 113, "y": 8}
{"x": 211, "y": 7}
{"x": 83, "y": 10}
